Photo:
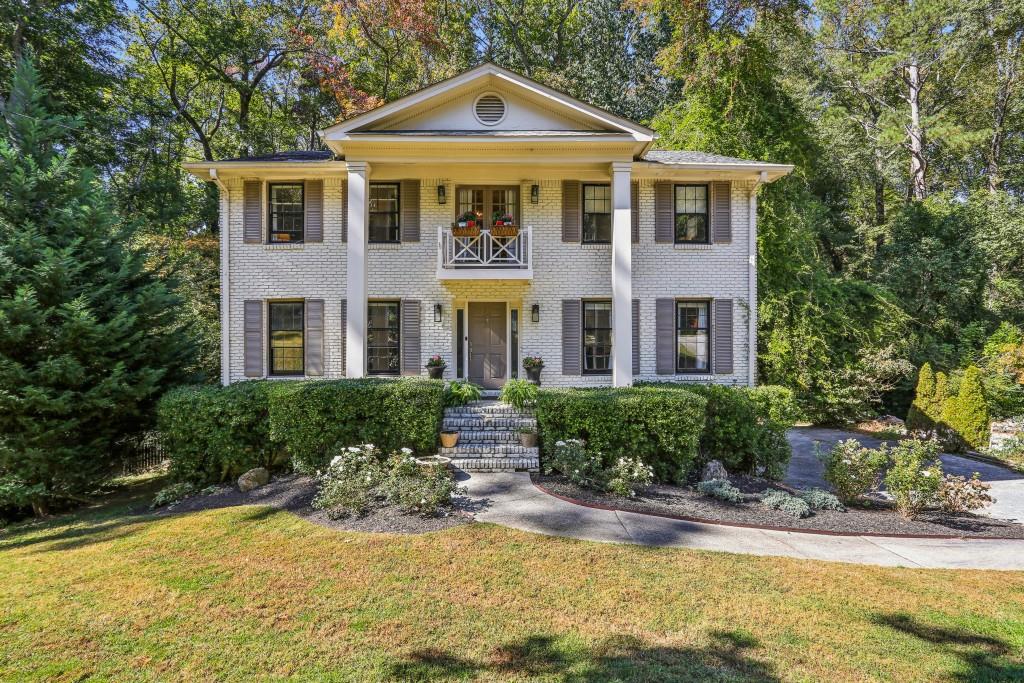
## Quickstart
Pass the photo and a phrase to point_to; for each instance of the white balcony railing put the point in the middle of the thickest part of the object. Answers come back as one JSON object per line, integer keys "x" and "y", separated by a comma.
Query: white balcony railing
{"x": 484, "y": 256}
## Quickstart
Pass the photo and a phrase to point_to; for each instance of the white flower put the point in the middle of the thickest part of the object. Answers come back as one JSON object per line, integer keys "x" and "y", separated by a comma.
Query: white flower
{"x": 423, "y": 501}
{"x": 335, "y": 460}
{"x": 369, "y": 446}
{"x": 560, "y": 444}
{"x": 407, "y": 451}
{"x": 353, "y": 449}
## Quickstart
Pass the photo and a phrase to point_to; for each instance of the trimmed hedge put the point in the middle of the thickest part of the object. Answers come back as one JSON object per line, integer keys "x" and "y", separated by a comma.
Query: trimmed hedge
{"x": 310, "y": 418}
{"x": 214, "y": 434}
{"x": 661, "y": 426}
{"x": 746, "y": 428}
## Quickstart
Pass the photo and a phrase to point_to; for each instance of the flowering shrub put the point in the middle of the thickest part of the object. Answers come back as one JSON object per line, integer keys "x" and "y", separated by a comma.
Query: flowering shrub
{"x": 361, "y": 477}
{"x": 784, "y": 502}
{"x": 720, "y": 489}
{"x": 582, "y": 467}
{"x": 819, "y": 499}
{"x": 912, "y": 480}
{"x": 853, "y": 470}
{"x": 628, "y": 474}
{"x": 1010, "y": 450}
{"x": 959, "y": 494}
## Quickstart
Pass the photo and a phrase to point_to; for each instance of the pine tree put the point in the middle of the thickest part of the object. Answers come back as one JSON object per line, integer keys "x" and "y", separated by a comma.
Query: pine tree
{"x": 919, "y": 417}
{"x": 88, "y": 337}
{"x": 967, "y": 415}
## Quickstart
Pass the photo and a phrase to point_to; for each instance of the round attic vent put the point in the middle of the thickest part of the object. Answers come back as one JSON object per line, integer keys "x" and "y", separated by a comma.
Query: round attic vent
{"x": 489, "y": 109}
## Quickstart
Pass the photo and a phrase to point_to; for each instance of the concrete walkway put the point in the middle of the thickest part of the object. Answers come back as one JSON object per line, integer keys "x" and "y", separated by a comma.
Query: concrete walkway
{"x": 511, "y": 499}
{"x": 805, "y": 471}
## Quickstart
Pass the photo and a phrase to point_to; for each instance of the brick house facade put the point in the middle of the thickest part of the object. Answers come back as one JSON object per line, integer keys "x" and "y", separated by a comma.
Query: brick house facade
{"x": 624, "y": 263}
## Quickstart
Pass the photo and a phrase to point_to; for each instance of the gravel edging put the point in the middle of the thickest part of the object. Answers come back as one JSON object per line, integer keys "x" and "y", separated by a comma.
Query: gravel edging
{"x": 687, "y": 505}
{"x": 294, "y": 493}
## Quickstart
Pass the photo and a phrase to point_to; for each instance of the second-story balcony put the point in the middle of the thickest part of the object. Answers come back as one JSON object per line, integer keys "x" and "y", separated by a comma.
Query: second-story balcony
{"x": 485, "y": 254}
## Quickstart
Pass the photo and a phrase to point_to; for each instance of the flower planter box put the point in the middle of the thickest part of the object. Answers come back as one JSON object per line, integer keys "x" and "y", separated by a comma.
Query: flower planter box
{"x": 466, "y": 231}
{"x": 504, "y": 231}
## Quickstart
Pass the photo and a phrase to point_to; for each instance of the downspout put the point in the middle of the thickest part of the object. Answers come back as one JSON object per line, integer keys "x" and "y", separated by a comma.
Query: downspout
{"x": 752, "y": 281}
{"x": 225, "y": 278}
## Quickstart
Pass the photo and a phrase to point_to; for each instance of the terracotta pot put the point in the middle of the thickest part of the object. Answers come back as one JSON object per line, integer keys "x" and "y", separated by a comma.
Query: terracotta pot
{"x": 435, "y": 371}
{"x": 449, "y": 439}
{"x": 528, "y": 439}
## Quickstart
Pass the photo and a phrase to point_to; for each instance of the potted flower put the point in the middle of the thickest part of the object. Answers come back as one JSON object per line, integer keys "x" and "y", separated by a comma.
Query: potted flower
{"x": 528, "y": 437}
{"x": 449, "y": 439}
{"x": 533, "y": 365}
{"x": 435, "y": 366}
{"x": 466, "y": 225}
{"x": 503, "y": 225}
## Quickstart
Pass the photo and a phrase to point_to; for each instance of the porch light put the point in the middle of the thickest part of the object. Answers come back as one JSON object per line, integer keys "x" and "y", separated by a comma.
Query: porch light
{"x": 534, "y": 195}
{"x": 437, "y": 311}
{"x": 440, "y": 194}
{"x": 535, "y": 309}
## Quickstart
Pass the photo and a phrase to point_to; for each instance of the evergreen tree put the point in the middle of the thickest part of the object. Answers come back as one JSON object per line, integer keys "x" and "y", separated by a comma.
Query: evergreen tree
{"x": 919, "y": 417}
{"x": 88, "y": 337}
{"x": 967, "y": 414}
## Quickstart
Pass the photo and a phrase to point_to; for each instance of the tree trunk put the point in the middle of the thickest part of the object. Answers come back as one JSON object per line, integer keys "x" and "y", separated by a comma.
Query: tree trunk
{"x": 918, "y": 163}
{"x": 879, "y": 180}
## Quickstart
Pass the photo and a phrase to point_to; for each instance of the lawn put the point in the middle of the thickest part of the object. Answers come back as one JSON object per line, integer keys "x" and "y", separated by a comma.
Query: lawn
{"x": 246, "y": 593}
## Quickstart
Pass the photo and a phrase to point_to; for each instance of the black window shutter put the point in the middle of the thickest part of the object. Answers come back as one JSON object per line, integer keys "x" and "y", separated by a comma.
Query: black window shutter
{"x": 344, "y": 335}
{"x": 721, "y": 212}
{"x": 665, "y": 331}
{"x": 571, "y": 331}
{"x": 253, "y": 338}
{"x": 252, "y": 212}
{"x": 313, "y": 341}
{"x": 314, "y": 197}
{"x": 410, "y": 336}
{"x": 664, "y": 213}
{"x": 409, "y": 201}
{"x": 571, "y": 227}
{"x": 636, "y": 336}
{"x": 723, "y": 323}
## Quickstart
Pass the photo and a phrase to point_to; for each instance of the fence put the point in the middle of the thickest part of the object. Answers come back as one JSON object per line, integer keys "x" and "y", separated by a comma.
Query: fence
{"x": 143, "y": 454}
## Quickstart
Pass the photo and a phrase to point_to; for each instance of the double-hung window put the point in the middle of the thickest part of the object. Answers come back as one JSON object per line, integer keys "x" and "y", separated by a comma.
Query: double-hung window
{"x": 693, "y": 337}
{"x": 691, "y": 214}
{"x": 382, "y": 338}
{"x": 597, "y": 337}
{"x": 597, "y": 214}
{"x": 287, "y": 212}
{"x": 384, "y": 212}
{"x": 287, "y": 349}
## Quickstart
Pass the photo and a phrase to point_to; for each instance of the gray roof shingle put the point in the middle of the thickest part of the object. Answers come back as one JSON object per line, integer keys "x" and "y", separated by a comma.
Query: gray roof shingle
{"x": 670, "y": 157}
{"x": 290, "y": 155}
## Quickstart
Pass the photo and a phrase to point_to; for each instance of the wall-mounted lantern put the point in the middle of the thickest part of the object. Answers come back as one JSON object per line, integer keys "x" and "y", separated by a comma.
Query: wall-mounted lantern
{"x": 441, "y": 196}
{"x": 534, "y": 194}
{"x": 535, "y": 313}
{"x": 437, "y": 313}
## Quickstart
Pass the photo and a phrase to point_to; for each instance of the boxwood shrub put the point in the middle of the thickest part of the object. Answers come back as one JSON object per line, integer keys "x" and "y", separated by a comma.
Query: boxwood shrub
{"x": 661, "y": 426}
{"x": 310, "y": 418}
{"x": 213, "y": 434}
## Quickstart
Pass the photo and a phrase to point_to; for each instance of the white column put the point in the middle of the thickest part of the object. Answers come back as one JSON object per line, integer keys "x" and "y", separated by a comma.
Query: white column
{"x": 358, "y": 212}
{"x": 622, "y": 276}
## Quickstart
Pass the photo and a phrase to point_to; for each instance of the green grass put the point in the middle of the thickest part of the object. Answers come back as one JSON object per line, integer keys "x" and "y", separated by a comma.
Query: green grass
{"x": 250, "y": 593}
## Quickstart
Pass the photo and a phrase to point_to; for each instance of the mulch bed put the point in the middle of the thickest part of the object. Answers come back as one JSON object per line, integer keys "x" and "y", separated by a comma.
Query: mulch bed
{"x": 682, "y": 501}
{"x": 294, "y": 493}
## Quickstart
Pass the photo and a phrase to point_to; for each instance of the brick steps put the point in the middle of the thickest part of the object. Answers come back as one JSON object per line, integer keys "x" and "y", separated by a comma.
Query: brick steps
{"x": 489, "y": 438}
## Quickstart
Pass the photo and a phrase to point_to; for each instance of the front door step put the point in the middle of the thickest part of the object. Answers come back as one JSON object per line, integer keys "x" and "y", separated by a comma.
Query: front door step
{"x": 489, "y": 438}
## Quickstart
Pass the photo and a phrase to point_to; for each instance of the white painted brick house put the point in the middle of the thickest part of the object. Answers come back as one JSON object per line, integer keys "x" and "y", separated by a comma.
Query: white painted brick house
{"x": 622, "y": 263}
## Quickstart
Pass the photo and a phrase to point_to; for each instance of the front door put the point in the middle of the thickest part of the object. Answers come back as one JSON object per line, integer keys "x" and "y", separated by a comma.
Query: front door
{"x": 488, "y": 344}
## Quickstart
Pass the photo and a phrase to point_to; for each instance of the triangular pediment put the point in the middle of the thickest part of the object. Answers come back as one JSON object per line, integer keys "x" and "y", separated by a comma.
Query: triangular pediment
{"x": 488, "y": 100}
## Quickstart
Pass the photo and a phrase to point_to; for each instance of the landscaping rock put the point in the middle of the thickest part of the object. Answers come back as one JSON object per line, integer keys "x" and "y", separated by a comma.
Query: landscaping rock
{"x": 253, "y": 479}
{"x": 714, "y": 470}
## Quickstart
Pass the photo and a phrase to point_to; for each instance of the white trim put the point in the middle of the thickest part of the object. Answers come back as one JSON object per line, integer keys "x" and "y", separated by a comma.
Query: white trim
{"x": 356, "y": 283}
{"x": 622, "y": 275}
{"x": 752, "y": 282}
{"x": 224, "y": 214}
